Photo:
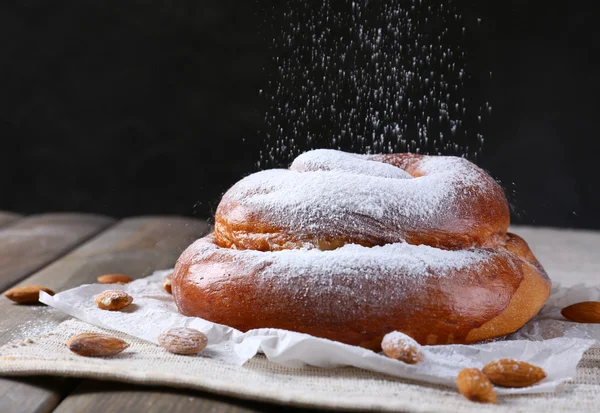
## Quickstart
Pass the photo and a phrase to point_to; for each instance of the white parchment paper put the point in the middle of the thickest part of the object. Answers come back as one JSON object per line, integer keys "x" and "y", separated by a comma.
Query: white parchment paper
{"x": 548, "y": 341}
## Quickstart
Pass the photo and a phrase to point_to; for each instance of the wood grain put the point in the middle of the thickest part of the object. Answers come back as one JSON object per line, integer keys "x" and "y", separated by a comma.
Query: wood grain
{"x": 7, "y": 218}
{"x": 32, "y": 394}
{"x": 99, "y": 397}
{"x": 35, "y": 241}
{"x": 135, "y": 246}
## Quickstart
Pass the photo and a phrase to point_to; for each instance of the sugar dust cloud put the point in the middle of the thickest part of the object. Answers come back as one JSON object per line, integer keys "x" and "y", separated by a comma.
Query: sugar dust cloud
{"x": 370, "y": 77}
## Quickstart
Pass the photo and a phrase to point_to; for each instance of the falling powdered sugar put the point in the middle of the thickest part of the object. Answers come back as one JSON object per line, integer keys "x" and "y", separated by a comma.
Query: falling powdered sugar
{"x": 371, "y": 77}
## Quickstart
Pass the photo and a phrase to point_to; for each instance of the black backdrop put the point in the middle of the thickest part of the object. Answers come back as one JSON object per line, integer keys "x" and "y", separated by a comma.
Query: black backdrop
{"x": 126, "y": 108}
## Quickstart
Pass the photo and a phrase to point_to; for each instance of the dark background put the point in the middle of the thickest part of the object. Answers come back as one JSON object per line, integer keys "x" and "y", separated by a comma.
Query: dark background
{"x": 129, "y": 108}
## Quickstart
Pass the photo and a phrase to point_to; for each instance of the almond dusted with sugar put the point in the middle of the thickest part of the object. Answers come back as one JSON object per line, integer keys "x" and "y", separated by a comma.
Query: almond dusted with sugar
{"x": 96, "y": 345}
{"x": 513, "y": 373}
{"x": 114, "y": 279}
{"x": 401, "y": 347}
{"x": 584, "y": 312}
{"x": 167, "y": 283}
{"x": 28, "y": 294}
{"x": 183, "y": 340}
{"x": 113, "y": 300}
{"x": 475, "y": 386}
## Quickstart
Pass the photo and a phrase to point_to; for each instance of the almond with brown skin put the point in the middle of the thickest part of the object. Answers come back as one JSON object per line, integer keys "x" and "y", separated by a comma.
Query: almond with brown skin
{"x": 167, "y": 283}
{"x": 183, "y": 340}
{"x": 96, "y": 345}
{"x": 584, "y": 312}
{"x": 114, "y": 279}
{"x": 401, "y": 347}
{"x": 28, "y": 294}
{"x": 513, "y": 373}
{"x": 475, "y": 386}
{"x": 113, "y": 300}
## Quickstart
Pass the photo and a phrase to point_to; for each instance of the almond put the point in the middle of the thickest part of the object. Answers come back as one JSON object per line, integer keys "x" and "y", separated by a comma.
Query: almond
{"x": 401, "y": 347}
{"x": 513, "y": 373}
{"x": 167, "y": 283}
{"x": 114, "y": 279}
{"x": 475, "y": 386}
{"x": 28, "y": 294}
{"x": 584, "y": 312}
{"x": 183, "y": 340}
{"x": 113, "y": 300}
{"x": 96, "y": 345}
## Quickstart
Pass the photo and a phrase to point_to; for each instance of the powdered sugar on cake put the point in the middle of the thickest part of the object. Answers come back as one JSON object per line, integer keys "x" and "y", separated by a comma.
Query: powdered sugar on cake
{"x": 341, "y": 194}
{"x": 334, "y": 281}
{"x": 390, "y": 260}
{"x": 344, "y": 238}
{"x": 331, "y": 160}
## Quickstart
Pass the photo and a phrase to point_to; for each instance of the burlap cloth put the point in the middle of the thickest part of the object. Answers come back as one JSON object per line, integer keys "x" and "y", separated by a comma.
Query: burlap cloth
{"x": 569, "y": 256}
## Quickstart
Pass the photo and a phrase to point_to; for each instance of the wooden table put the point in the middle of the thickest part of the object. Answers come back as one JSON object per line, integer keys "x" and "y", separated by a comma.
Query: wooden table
{"x": 61, "y": 251}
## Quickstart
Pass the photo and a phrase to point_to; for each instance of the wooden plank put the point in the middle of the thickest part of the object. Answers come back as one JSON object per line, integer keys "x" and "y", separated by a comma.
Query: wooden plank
{"x": 7, "y": 217}
{"x": 135, "y": 246}
{"x": 35, "y": 241}
{"x": 99, "y": 397}
{"x": 41, "y": 394}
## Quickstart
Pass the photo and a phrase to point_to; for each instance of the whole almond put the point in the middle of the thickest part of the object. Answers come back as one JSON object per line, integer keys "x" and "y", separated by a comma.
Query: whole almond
{"x": 401, "y": 347}
{"x": 167, "y": 283}
{"x": 113, "y": 300}
{"x": 96, "y": 345}
{"x": 183, "y": 340}
{"x": 584, "y": 312}
{"x": 513, "y": 373}
{"x": 28, "y": 294}
{"x": 114, "y": 279}
{"x": 475, "y": 386}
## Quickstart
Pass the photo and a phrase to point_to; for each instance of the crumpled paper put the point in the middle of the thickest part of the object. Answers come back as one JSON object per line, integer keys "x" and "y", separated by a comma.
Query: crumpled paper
{"x": 549, "y": 323}
{"x": 547, "y": 341}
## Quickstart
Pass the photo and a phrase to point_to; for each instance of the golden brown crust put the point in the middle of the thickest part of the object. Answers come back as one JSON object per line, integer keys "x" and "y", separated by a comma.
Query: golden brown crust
{"x": 527, "y": 300}
{"x": 465, "y": 306}
{"x": 476, "y": 216}
{"x": 481, "y": 221}
{"x": 230, "y": 278}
